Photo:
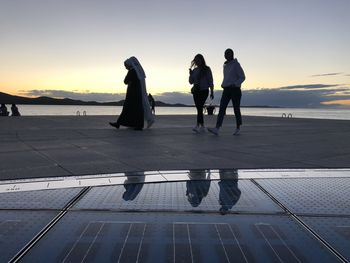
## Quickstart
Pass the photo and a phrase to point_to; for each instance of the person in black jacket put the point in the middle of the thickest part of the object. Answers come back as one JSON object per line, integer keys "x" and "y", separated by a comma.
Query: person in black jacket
{"x": 3, "y": 110}
{"x": 14, "y": 110}
{"x": 202, "y": 79}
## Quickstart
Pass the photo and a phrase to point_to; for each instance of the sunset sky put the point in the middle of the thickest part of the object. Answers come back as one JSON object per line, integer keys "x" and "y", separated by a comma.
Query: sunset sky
{"x": 294, "y": 52}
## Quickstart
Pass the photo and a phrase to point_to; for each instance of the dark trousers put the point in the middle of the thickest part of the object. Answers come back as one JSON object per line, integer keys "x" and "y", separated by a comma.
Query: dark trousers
{"x": 234, "y": 94}
{"x": 199, "y": 98}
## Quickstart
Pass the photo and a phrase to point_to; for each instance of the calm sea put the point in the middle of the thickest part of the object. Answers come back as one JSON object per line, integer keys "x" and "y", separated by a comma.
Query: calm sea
{"x": 38, "y": 110}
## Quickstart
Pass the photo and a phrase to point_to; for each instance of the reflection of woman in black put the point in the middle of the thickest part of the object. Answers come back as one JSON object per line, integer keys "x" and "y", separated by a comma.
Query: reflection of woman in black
{"x": 133, "y": 185}
{"x": 197, "y": 187}
{"x": 229, "y": 191}
{"x": 132, "y": 113}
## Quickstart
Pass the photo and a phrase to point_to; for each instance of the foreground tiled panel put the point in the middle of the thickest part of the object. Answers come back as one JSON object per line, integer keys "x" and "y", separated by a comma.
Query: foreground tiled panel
{"x": 322, "y": 196}
{"x": 143, "y": 217}
{"x": 292, "y": 173}
{"x": 43, "y": 199}
{"x": 336, "y": 231}
{"x": 173, "y": 237}
{"x": 17, "y": 228}
{"x": 198, "y": 195}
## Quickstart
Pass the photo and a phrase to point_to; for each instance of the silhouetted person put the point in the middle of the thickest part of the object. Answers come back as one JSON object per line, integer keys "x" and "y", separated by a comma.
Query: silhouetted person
{"x": 3, "y": 110}
{"x": 136, "y": 106}
{"x": 202, "y": 79}
{"x": 229, "y": 192}
{"x": 231, "y": 84}
{"x": 152, "y": 103}
{"x": 198, "y": 187}
{"x": 133, "y": 186}
{"x": 14, "y": 110}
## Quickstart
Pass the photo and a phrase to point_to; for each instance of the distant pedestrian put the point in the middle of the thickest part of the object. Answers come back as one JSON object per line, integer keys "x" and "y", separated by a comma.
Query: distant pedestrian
{"x": 3, "y": 110}
{"x": 152, "y": 103}
{"x": 132, "y": 112}
{"x": 14, "y": 110}
{"x": 202, "y": 79}
{"x": 136, "y": 106}
{"x": 231, "y": 84}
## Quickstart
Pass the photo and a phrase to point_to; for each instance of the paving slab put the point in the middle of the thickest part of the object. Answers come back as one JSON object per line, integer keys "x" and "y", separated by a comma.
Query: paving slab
{"x": 68, "y": 141}
{"x": 334, "y": 230}
{"x": 17, "y": 228}
{"x": 316, "y": 196}
{"x": 43, "y": 199}
{"x": 195, "y": 195}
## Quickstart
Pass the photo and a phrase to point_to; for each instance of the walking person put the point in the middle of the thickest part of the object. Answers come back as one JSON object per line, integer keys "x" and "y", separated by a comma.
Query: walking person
{"x": 3, "y": 110}
{"x": 202, "y": 79}
{"x": 132, "y": 114}
{"x": 231, "y": 84}
{"x": 147, "y": 113}
{"x": 152, "y": 103}
{"x": 14, "y": 110}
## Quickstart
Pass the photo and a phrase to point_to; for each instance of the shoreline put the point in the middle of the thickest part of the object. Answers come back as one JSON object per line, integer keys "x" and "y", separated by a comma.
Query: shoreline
{"x": 37, "y": 110}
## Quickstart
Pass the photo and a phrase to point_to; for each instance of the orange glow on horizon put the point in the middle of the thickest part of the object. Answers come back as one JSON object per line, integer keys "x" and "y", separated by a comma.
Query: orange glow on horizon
{"x": 337, "y": 102}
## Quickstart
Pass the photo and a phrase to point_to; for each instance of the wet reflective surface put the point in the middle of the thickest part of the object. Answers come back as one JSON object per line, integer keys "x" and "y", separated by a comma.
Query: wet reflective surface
{"x": 179, "y": 216}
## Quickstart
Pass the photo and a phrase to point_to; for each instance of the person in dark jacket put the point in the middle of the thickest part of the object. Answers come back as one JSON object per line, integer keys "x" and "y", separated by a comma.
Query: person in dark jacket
{"x": 14, "y": 110}
{"x": 202, "y": 79}
{"x": 3, "y": 110}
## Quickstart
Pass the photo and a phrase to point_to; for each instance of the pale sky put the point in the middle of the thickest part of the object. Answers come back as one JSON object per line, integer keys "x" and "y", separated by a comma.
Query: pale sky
{"x": 79, "y": 46}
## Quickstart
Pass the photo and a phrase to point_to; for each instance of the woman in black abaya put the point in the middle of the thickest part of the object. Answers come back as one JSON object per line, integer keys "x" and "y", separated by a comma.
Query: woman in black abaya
{"x": 132, "y": 114}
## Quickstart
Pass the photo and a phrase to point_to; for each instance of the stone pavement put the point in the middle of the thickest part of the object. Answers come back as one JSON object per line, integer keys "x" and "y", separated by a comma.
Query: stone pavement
{"x": 172, "y": 205}
{"x": 48, "y": 146}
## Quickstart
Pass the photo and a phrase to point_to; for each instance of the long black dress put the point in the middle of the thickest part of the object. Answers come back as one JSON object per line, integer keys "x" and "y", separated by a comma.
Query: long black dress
{"x": 132, "y": 113}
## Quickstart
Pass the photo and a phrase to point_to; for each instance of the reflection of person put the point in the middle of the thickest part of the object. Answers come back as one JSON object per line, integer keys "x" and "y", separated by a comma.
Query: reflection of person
{"x": 3, "y": 110}
{"x": 198, "y": 187}
{"x": 152, "y": 103}
{"x": 136, "y": 106}
{"x": 231, "y": 84}
{"x": 133, "y": 185}
{"x": 229, "y": 191}
{"x": 14, "y": 110}
{"x": 202, "y": 79}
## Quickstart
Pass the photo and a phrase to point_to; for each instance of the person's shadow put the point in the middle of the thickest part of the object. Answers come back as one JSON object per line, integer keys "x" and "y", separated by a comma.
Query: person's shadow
{"x": 133, "y": 186}
{"x": 229, "y": 191}
{"x": 198, "y": 186}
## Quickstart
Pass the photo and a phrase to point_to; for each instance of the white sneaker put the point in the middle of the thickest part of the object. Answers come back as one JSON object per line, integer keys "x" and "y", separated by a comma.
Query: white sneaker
{"x": 214, "y": 131}
{"x": 196, "y": 129}
{"x": 237, "y": 132}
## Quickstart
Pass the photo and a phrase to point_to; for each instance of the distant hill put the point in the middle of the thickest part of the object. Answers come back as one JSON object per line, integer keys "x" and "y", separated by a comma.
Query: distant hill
{"x": 10, "y": 99}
